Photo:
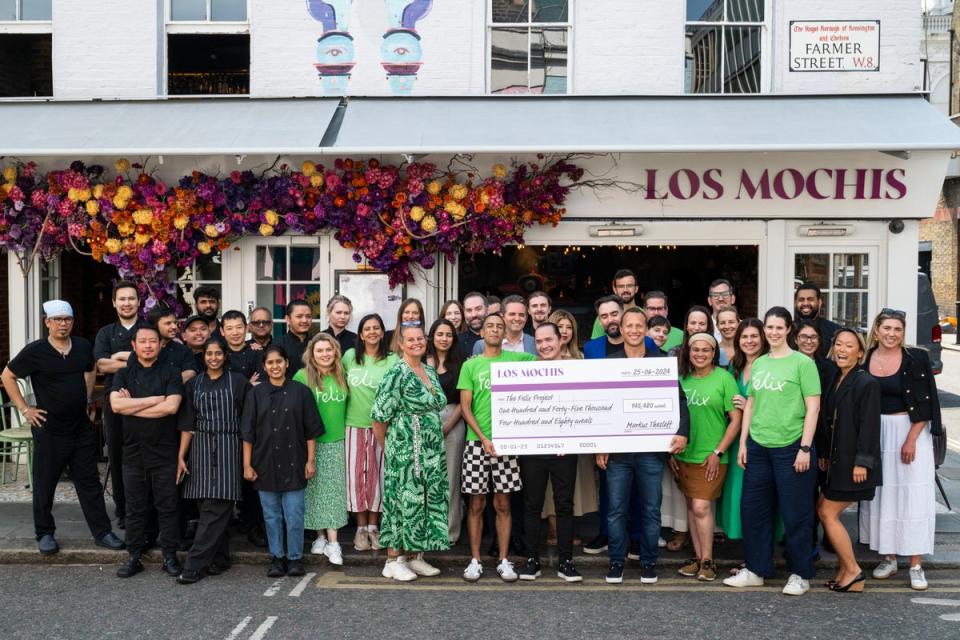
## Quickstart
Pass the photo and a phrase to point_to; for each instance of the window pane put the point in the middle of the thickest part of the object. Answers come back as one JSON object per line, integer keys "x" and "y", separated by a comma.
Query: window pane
{"x": 273, "y": 297}
{"x": 511, "y": 11}
{"x": 188, "y": 9}
{"x": 229, "y": 10}
{"x": 550, "y": 10}
{"x": 310, "y": 293}
{"x": 705, "y": 10}
{"x": 742, "y": 73}
{"x": 851, "y": 270}
{"x": 304, "y": 263}
{"x": 35, "y": 9}
{"x": 271, "y": 264}
{"x": 548, "y": 61}
{"x": 8, "y": 9}
{"x": 207, "y": 268}
{"x": 850, "y": 309}
{"x": 703, "y": 60}
{"x": 508, "y": 60}
{"x": 812, "y": 267}
{"x": 745, "y": 10}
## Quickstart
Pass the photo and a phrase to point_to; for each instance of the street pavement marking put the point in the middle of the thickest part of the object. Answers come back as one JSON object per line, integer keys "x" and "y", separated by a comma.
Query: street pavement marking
{"x": 274, "y": 589}
{"x": 945, "y": 603}
{"x": 302, "y": 585}
{"x": 237, "y": 630}
{"x": 951, "y": 617}
{"x": 263, "y": 628}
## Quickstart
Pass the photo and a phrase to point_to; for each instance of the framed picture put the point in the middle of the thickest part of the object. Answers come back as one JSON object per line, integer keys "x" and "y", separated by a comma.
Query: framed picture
{"x": 370, "y": 292}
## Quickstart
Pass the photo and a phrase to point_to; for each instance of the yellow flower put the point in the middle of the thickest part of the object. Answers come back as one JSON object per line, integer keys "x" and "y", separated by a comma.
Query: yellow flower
{"x": 429, "y": 224}
{"x": 98, "y": 191}
{"x": 122, "y": 165}
{"x": 10, "y": 173}
{"x": 417, "y": 213}
{"x": 125, "y": 192}
{"x": 211, "y": 231}
{"x": 458, "y": 192}
{"x": 316, "y": 180}
{"x": 266, "y": 230}
{"x": 93, "y": 207}
{"x": 143, "y": 216}
{"x": 83, "y": 195}
{"x": 72, "y": 194}
{"x": 499, "y": 171}
{"x": 113, "y": 245}
{"x": 180, "y": 222}
{"x": 204, "y": 247}
{"x": 125, "y": 228}
{"x": 6, "y": 188}
{"x": 308, "y": 168}
{"x": 120, "y": 203}
{"x": 141, "y": 238}
{"x": 434, "y": 187}
{"x": 459, "y": 211}
{"x": 272, "y": 219}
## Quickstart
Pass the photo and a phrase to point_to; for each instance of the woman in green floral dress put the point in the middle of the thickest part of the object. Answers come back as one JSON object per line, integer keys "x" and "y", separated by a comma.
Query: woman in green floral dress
{"x": 406, "y": 421}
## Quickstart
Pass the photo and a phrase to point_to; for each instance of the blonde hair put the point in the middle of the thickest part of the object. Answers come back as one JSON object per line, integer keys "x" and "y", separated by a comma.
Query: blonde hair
{"x": 874, "y": 339}
{"x": 860, "y": 340}
{"x": 314, "y": 375}
{"x": 572, "y": 349}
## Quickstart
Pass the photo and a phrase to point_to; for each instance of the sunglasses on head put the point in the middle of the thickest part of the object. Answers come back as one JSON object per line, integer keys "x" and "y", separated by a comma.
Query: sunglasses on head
{"x": 894, "y": 313}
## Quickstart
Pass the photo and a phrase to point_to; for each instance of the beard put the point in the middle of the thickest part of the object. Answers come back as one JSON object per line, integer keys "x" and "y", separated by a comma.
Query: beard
{"x": 612, "y": 332}
{"x": 814, "y": 312}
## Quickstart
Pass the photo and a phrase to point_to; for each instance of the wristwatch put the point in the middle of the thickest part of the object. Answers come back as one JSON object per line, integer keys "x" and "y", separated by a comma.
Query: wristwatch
{"x": 805, "y": 448}
{"x": 718, "y": 453}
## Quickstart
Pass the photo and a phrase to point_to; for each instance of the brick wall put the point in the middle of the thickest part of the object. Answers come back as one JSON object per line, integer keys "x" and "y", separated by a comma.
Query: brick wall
{"x": 941, "y": 231}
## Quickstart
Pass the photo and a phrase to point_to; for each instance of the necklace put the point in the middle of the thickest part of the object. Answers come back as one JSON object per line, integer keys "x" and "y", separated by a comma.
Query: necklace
{"x": 63, "y": 352}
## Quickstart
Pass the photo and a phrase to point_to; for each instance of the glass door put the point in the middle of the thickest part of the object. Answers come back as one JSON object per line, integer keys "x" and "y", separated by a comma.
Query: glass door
{"x": 847, "y": 277}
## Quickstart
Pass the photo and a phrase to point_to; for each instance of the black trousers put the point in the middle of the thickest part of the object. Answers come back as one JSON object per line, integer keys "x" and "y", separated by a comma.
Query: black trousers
{"x": 562, "y": 471}
{"x": 251, "y": 513}
{"x": 77, "y": 451}
{"x": 140, "y": 482}
{"x": 212, "y": 542}
{"x": 113, "y": 434}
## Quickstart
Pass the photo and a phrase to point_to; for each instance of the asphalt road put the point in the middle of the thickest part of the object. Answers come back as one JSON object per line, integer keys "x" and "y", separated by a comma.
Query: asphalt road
{"x": 80, "y": 602}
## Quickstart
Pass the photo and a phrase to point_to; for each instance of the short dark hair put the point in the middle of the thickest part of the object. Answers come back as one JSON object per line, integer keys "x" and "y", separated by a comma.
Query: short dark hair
{"x": 658, "y": 321}
{"x": 159, "y": 313}
{"x": 476, "y": 294}
{"x": 233, "y": 314}
{"x": 276, "y": 348}
{"x": 492, "y": 300}
{"x": 605, "y": 300}
{"x": 809, "y": 286}
{"x": 296, "y": 303}
{"x": 655, "y": 294}
{"x": 124, "y": 284}
{"x": 540, "y": 294}
{"x": 721, "y": 281}
{"x": 779, "y": 312}
{"x": 552, "y": 325}
{"x": 206, "y": 291}
{"x": 146, "y": 327}
{"x": 623, "y": 273}
{"x": 513, "y": 299}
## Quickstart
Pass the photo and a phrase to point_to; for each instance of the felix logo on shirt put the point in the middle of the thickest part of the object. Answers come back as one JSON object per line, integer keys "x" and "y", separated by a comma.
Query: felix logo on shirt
{"x": 765, "y": 381}
{"x": 697, "y": 399}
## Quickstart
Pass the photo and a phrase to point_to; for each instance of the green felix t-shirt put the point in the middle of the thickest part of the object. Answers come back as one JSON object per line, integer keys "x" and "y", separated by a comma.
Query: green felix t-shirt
{"x": 674, "y": 338}
{"x": 709, "y": 399}
{"x": 362, "y": 380}
{"x": 332, "y": 404}
{"x": 475, "y": 377}
{"x": 778, "y": 387}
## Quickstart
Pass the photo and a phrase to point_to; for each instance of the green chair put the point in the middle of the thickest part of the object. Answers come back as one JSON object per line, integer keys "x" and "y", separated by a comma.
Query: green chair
{"x": 13, "y": 439}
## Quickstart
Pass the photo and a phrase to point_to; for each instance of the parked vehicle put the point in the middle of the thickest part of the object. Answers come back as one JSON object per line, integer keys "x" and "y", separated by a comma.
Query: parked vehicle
{"x": 928, "y": 322}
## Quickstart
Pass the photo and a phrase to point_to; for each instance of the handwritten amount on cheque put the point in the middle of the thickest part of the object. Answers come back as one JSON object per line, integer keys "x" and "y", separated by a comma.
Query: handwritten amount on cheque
{"x": 542, "y": 410}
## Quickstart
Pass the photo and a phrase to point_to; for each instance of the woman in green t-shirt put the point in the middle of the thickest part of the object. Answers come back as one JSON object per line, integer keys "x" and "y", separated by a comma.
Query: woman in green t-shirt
{"x": 702, "y": 466}
{"x": 326, "y": 493}
{"x": 365, "y": 365}
{"x": 779, "y": 422}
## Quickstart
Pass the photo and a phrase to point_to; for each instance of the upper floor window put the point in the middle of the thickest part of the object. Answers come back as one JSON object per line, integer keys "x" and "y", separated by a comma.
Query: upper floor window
{"x": 208, "y": 47}
{"x": 27, "y": 10}
{"x": 529, "y": 42}
{"x": 208, "y": 10}
{"x": 723, "y": 46}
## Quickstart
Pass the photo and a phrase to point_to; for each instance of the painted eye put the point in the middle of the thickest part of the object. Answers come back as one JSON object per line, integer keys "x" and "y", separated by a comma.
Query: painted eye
{"x": 401, "y": 51}
{"x": 334, "y": 51}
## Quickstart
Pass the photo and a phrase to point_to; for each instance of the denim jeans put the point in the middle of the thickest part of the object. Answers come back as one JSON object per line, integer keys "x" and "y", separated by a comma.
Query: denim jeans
{"x": 280, "y": 507}
{"x": 603, "y": 509}
{"x": 769, "y": 482}
{"x": 637, "y": 473}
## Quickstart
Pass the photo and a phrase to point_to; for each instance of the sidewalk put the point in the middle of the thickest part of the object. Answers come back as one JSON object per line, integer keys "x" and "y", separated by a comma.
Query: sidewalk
{"x": 18, "y": 545}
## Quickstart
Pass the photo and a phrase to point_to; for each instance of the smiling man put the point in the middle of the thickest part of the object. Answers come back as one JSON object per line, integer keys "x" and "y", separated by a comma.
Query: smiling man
{"x": 808, "y": 305}
{"x": 514, "y": 338}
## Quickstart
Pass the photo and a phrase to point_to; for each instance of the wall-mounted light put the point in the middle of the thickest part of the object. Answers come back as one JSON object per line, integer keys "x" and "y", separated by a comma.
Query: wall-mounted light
{"x": 616, "y": 231}
{"x": 826, "y": 230}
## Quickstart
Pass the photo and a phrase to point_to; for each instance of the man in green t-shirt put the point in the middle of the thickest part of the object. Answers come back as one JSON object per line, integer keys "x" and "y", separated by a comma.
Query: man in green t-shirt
{"x": 482, "y": 467}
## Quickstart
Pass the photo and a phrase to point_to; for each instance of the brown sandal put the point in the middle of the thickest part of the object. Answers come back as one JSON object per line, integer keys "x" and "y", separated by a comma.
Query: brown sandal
{"x": 680, "y": 540}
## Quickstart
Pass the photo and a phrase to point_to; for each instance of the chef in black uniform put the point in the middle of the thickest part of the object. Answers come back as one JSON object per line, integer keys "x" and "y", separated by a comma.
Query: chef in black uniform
{"x": 243, "y": 359}
{"x": 196, "y": 332}
{"x": 61, "y": 371}
{"x": 172, "y": 352}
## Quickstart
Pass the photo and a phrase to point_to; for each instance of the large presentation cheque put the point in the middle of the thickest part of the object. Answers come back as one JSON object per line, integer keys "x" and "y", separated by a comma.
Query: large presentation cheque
{"x": 584, "y": 406}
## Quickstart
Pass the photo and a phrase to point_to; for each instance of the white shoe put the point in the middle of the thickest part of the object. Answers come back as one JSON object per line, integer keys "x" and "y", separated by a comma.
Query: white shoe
{"x": 918, "y": 581}
{"x": 744, "y": 578}
{"x": 398, "y": 570}
{"x": 796, "y": 586}
{"x": 334, "y": 553}
{"x": 361, "y": 541}
{"x": 505, "y": 569}
{"x": 374, "y": 536}
{"x": 661, "y": 543}
{"x": 885, "y": 569}
{"x": 473, "y": 571}
{"x": 318, "y": 545}
{"x": 421, "y": 567}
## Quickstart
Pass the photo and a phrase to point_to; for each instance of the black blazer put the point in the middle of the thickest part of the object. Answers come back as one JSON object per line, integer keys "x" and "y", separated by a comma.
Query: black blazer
{"x": 919, "y": 388}
{"x": 849, "y": 435}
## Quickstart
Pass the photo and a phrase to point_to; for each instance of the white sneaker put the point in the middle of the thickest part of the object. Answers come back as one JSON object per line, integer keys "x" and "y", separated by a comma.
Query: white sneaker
{"x": 918, "y": 581}
{"x": 334, "y": 553}
{"x": 885, "y": 569}
{"x": 796, "y": 586}
{"x": 318, "y": 545}
{"x": 374, "y": 536}
{"x": 661, "y": 543}
{"x": 744, "y": 578}
{"x": 398, "y": 570}
{"x": 473, "y": 571}
{"x": 421, "y": 567}
{"x": 505, "y": 569}
{"x": 361, "y": 541}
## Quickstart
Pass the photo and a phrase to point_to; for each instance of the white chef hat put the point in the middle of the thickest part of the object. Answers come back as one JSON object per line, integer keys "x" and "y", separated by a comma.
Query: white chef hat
{"x": 57, "y": 309}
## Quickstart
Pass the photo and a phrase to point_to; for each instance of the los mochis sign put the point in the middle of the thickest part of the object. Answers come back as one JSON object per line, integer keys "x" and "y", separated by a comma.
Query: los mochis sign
{"x": 772, "y": 184}
{"x": 834, "y": 45}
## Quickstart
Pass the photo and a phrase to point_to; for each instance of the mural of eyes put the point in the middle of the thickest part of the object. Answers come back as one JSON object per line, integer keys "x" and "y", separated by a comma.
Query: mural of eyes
{"x": 401, "y": 47}
{"x": 335, "y": 47}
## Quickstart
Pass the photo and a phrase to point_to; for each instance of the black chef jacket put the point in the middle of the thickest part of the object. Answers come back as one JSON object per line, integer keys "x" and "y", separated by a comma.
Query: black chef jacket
{"x": 154, "y": 441}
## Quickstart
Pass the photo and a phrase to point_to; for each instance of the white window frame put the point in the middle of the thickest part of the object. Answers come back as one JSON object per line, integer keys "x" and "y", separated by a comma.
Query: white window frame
{"x": 766, "y": 42}
{"x": 874, "y": 276}
{"x": 25, "y": 26}
{"x": 529, "y": 26}
{"x": 189, "y": 279}
{"x": 205, "y": 26}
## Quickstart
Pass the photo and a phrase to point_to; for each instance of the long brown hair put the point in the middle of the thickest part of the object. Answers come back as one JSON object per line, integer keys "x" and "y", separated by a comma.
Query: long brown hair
{"x": 739, "y": 362}
{"x": 572, "y": 349}
{"x": 314, "y": 375}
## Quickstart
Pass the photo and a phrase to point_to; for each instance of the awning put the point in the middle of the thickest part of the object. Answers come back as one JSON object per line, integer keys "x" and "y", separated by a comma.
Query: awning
{"x": 482, "y": 124}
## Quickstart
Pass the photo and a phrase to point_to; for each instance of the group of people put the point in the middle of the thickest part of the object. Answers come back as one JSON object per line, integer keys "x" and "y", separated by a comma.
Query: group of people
{"x": 784, "y": 422}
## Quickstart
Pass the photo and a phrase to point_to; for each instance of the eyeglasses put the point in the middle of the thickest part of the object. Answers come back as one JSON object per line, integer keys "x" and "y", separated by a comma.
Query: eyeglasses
{"x": 807, "y": 338}
{"x": 60, "y": 320}
{"x": 894, "y": 313}
{"x": 260, "y": 323}
{"x": 716, "y": 295}
{"x": 655, "y": 309}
